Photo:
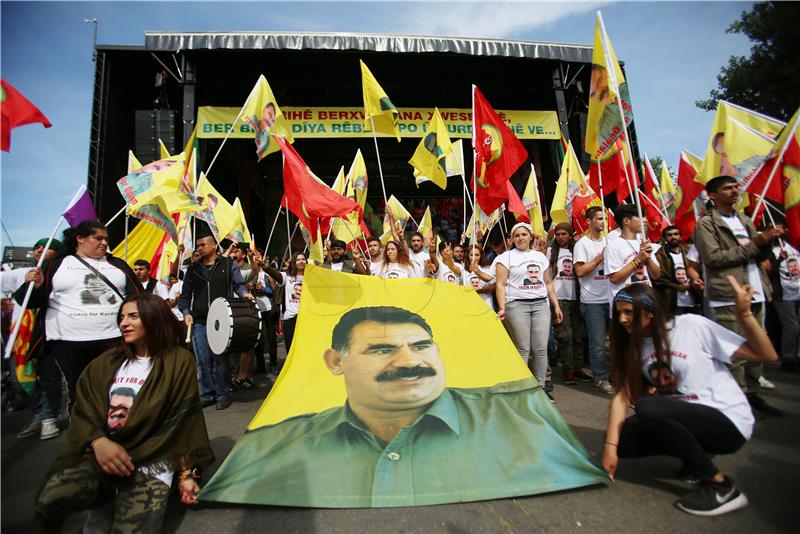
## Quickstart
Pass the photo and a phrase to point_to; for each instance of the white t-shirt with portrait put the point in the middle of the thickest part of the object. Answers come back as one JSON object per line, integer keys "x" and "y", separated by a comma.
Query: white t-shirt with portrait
{"x": 621, "y": 252}
{"x": 525, "y": 274}
{"x": 789, "y": 270}
{"x": 82, "y": 307}
{"x": 753, "y": 276}
{"x": 394, "y": 270}
{"x": 564, "y": 277}
{"x": 292, "y": 291}
{"x": 174, "y": 294}
{"x": 445, "y": 274}
{"x": 700, "y": 350}
{"x": 127, "y": 383}
{"x": 684, "y": 298}
{"x": 595, "y": 288}
{"x": 262, "y": 301}
{"x": 420, "y": 258}
{"x": 473, "y": 280}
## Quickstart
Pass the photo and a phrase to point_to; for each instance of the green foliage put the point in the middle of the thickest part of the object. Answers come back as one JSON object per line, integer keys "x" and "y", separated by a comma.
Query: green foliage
{"x": 769, "y": 80}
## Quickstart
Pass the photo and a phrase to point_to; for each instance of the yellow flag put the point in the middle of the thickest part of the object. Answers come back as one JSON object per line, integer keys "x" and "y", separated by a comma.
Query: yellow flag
{"x": 340, "y": 182}
{"x": 164, "y": 152}
{"x": 736, "y": 130}
{"x": 401, "y": 217}
{"x": 604, "y": 123}
{"x": 348, "y": 229}
{"x": 429, "y": 157}
{"x": 143, "y": 241}
{"x": 240, "y": 232}
{"x": 485, "y": 222}
{"x": 218, "y": 213}
{"x": 426, "y": 224}
{"x": 316, "y": 252}
{"x": 668, "y": 191}
{"x": 133, "y": 163}
{"x": 377, "y": 106}
{"x": 262, "y": 113}
{"x": 357, "y": 181}
{"x": 169, "y": 254}
{"x": 530, "y": 199}
{"x": 572, "y": 193}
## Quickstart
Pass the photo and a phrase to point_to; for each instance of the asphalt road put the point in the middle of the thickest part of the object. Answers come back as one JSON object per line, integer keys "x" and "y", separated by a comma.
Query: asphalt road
{"x": 767, "y": 469}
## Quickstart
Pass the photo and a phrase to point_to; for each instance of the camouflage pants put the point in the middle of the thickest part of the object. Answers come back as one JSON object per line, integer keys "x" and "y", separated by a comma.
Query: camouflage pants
{"x": 569, "y": 336}
{"x": 139, "y": 501}
{"x": 745, "y": 372}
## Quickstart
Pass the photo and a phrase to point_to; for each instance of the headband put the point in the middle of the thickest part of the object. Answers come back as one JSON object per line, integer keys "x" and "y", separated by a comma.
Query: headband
{"x": 522, "y": 225}
{"x": 646, "y": 301}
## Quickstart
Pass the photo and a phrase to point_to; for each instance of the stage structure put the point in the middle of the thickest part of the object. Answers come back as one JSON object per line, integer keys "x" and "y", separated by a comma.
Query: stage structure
{"x": 158, "y": 91}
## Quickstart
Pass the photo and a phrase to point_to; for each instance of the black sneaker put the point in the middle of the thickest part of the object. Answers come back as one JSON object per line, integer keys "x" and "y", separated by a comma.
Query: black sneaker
{"x": 583, "y": 376}
{"x": 758, "y": 403}
{"x": 223, "y": 404}
{"x": 710, "y": 499}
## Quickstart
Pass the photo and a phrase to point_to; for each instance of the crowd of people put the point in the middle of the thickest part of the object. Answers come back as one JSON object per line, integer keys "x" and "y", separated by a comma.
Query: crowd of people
{"x": 674, "y": 330}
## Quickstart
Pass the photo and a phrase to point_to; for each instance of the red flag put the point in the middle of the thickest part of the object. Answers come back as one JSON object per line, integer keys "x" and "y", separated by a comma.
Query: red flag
{"x": 687, "y": 191}
{"x": 612, "y": 167}
{"x": 655, "y": 220}
{"x": 515, "y": 204}
{"x": 16, "y": 110}
{"x": 791, "y": 189}
{"x": 308, "y": 197}
{"x": 499, "y": 153}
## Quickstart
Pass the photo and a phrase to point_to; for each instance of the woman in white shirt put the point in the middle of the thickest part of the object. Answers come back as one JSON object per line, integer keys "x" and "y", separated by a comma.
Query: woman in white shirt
{"x": 137, "y": 423}
{"x": 395, "y": 263}
{"x": 686, "y": 402}
{"x": 477, "y": 267}
{"x": 525, "y": 294}
{"x": 292, "y": 283}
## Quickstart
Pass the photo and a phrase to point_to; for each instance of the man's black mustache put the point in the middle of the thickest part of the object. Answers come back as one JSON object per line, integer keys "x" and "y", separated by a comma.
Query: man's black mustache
{"x": 406, "y": 372}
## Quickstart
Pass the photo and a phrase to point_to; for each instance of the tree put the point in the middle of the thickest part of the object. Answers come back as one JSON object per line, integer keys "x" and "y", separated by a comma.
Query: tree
{"x": 769, "y": 80}
{"x": 656, "y": 162}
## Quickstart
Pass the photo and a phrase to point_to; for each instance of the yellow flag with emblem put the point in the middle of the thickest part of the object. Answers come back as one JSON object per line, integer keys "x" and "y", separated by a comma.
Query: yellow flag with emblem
{"x": 218, "y": 213}
{"x": 426, "y": 224}
{"x": 401, "y": 216}
{"x": 240, "y": 232}
{"x": 379, "y": 112}
{"x": 573, "y": 195}
{"x": 262, "y": 113}
{"x": 357, "y": 181}
{"x": 429, "y": 159}
{"x": 530, "y": 199}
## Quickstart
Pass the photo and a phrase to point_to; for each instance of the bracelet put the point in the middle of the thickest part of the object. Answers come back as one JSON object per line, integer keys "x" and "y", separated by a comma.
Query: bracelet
{"x": 191, "y": 474}
{"x": 612, "y": 444}
{"x": 635, "y": 264}
{"x": 746, "y": 314}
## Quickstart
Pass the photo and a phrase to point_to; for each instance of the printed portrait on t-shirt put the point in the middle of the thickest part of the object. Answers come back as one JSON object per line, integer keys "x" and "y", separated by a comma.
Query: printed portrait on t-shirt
{"x": 297, "y": 291}
{"x": 474, "y": 281}
{"x": 533, "y": 276}
{"x": 662, "y": 378}
{"x": 450, "y": 277}
{"x": 119, "y": 407}
{"x": 95, "y": 291}
{"x": 793, "y": 268}
{"x": 680, "y": 275}
{"x": 639, "y": 275}
{"x": 566, "y": 268}
{"x": 392, "y": 274}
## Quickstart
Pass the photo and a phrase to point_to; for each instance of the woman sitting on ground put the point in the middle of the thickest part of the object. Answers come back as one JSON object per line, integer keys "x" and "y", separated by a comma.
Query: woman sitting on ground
{"x": 686, "y": 402}
{"x": 136, "y": 423}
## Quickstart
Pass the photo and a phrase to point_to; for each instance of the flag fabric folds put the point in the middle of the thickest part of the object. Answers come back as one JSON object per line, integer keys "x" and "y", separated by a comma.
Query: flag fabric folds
{"x": 357, "y": 181}
{"x": 220, "y": 215}
{"x": 262, "y": 113}
{"x": 572, "y": 195}
{"x": 16, "y": 110}
{"x": 532, "y": 204}
{"x": 401, "y": 216}
{"x": 426, "y": 223}
{"x": 429, "y": 159}
{"x": 307, "y": 447}
{"x": 378, "y": 109}
{"x": 688, "y": 193}
{"x": 24, "y": 367}
{"x": 604, "y": 123}
{"x": 240, "y": 232}
{"x": 498, "y": 153}
{"x": 80, "y": 208}
{"x": 143, "y": 241}
{"x": 668, "y": 195}
{"x": 308, "y": 197}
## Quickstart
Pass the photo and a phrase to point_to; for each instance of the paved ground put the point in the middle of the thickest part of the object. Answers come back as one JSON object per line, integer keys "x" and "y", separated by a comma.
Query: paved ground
{"x": 767, "y": 469}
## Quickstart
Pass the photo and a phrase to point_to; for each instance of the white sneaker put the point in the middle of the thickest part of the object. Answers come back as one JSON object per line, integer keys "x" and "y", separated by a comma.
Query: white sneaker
{"x": 764, "y": 383}
{"x": 50, "y": 429}
{"x": 32, "y": 429}
{"x": 604, "y": 386}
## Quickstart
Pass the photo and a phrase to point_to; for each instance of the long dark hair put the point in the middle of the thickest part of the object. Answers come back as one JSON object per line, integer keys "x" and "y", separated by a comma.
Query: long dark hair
{"x": 292, "y": 271}
{"x": 84, "y": 229}
{"x": 402, "y": 254}
{"x": 554, "y": 247}
{"x": 626, "y": 349}
{"x": 160, "y": 325}
{"x": 482, "y": 260}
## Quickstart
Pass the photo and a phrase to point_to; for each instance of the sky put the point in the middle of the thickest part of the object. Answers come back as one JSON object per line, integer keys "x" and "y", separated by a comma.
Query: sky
{"x": 673, "y": 52}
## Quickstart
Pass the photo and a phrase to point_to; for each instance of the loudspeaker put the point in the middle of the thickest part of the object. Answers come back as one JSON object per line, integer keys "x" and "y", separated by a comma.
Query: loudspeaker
{"x": 150, "y": 126}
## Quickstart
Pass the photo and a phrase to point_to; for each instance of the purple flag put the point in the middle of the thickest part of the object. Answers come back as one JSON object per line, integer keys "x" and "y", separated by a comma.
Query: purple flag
{"x": 80, "y": 208}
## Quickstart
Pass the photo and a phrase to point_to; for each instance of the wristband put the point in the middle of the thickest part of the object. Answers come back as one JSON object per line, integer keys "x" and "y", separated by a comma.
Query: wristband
{"x": 746, "y": 314}
{"x": 635, "y": 264}
{"x": 612, "y": 444}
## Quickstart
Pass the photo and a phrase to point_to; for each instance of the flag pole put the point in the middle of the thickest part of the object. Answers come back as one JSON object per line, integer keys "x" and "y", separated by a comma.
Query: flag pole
{"x": 288, "y": 233}
{"x": 475, "y": 206}
{"x": 127, "y": 219}
{"x": 112, "y": 219}
{"x": 233, "y": 126}
{"x": 602, "y": 197}
{"x": 355, "y": 239}
{"x": 378, "y": 154}
{"x": 274, "y": 223}
{"x": 29, "y": 291}
{"x": 789, "y": 139}
{"x": 655, "y": 206}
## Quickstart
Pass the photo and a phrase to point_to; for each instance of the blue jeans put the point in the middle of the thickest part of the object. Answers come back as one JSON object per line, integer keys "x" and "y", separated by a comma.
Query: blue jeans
{"x": 596, "y": 318}
{"x": 212, "y": 370}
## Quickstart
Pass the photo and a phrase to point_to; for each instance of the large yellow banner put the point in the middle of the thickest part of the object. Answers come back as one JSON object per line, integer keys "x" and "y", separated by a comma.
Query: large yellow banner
{"x": 326, "y": 122}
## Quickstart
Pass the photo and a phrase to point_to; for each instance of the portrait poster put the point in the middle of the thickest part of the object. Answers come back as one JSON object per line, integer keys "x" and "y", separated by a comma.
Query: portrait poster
{"x": 400, "y": 393}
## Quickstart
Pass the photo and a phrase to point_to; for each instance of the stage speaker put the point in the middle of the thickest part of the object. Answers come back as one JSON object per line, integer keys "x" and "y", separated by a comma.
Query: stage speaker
{"x": 150, "y": 126}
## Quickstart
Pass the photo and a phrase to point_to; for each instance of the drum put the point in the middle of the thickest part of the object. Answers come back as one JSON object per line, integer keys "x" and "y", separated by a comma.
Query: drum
{"x": 233, "y": 325}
